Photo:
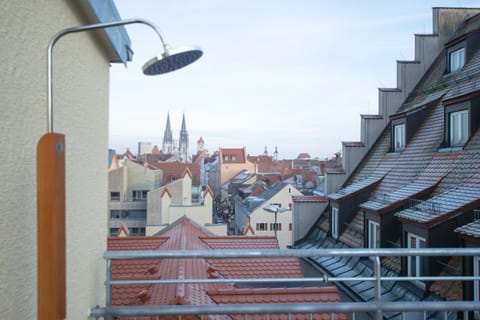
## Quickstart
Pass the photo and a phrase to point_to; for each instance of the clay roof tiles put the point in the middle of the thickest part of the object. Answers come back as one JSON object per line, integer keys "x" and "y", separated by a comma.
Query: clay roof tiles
{"x": 176, "y": 170}
{"x": 184, "y": 234}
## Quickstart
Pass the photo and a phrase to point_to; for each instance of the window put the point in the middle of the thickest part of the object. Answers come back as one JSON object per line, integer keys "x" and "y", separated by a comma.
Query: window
{"x": 476, "y": 214}
{"x": 136, "y": 231}
{"x": 115, "y": 196}
{"x": 275, "y": 226}
{"x": 458, "y": 128}
{"x": 290, "y": 227}
{"x": 456, "y": 59}
{"x": 373, "y": 234}
{"x": 414, "y": 263}
{"x": 398, "y": 137}
{"x": 113, "y": 232}
{"x": 334, "y": 222}
{"x": 115, "y": 214}
{"x": 261, "y": 226}
{"x": 139, "y": 195}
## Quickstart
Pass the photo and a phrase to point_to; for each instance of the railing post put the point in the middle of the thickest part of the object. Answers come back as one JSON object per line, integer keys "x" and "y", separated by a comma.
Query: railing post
{"x": 108, "y": 288}
{"x": 378, "y": 286}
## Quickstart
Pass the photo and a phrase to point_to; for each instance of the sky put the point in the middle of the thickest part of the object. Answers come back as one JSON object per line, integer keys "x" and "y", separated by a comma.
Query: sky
{"x": 295, "y": 75}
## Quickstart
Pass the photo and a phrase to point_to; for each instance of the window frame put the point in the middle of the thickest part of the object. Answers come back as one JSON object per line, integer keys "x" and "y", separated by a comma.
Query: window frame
{"x": 274, "y": 225}
{"x": 334, "y": 222}
{"x": 458, "y": 108}
{"x": 462, "y": 125}
{"x": 452, "y": 52}
{"x": 418, "y": 260}
{"x": 398, "y": 123}
{"x": 139, "y": 195}
{"x": 114, "y": 196}
{"x": 396, "y": 136}
{"x": 262, "y": 226}
{"x": 373, "y": 229}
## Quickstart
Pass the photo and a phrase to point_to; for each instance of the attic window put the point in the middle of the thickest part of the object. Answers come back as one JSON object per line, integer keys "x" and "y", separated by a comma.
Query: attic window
{"x": 458, "y": 128}
{"x": 399, "y": 137}
{"x": 456, "y": 57}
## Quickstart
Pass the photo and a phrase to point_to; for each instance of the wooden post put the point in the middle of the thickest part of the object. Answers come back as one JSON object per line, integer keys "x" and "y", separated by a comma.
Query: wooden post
{"x": 51, "y": 247}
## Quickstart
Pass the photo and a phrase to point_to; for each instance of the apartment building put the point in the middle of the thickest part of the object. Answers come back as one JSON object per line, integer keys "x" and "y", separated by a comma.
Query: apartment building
{"x": 127, "y": 189}
{"x": 413, "y": 180}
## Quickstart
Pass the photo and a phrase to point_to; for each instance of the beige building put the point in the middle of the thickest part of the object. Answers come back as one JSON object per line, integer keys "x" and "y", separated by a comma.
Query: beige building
{"x": 251, "y": 218}
{"x": 232, "y": 161}
{"x": 81, "y": 74}
{"x": 127, "y": 188}
{"x": 167, "y": 204}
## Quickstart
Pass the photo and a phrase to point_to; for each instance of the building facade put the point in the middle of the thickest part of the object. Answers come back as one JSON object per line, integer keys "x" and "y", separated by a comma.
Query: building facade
{"x": 81, "y": 95}
{"x": 127, "y": 188}
{"x": 252, "y": 216}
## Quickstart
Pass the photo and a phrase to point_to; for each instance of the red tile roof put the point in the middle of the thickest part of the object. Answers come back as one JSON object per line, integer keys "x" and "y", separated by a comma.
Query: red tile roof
{"x": 186, "y": 235}
{"x": 232, "y": 155}
{"x": 304, "y": 155}
{"x": 278, "y": 295}
{"x": 176, "y": 170}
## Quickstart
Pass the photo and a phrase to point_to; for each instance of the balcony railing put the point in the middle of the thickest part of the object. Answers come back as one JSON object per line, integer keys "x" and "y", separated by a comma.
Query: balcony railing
{"x": 377, "y": 307}
{"x": 425, "y": 206}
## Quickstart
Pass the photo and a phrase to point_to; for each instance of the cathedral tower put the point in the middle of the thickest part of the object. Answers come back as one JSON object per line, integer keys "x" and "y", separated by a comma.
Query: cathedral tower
{"x": 183, "y": 142}
{"x": 167, "y": 146}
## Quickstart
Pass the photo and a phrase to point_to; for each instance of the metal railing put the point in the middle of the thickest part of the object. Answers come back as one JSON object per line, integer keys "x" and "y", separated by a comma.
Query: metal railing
{"x": 377, "y": 306}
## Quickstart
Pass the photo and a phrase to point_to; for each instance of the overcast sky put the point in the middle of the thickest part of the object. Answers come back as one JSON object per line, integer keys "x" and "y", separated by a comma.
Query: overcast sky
{"x": 292, "y": 74}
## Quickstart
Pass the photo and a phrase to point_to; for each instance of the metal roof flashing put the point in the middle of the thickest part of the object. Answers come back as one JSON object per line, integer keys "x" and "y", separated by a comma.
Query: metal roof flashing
{"x": 117, "y": 41}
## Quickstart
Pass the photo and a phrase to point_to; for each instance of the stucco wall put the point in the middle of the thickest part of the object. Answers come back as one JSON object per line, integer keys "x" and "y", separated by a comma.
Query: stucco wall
{"x": 141, "y": 178}
{"x": 284, "y": 197}
{"x": 81, "y": 112}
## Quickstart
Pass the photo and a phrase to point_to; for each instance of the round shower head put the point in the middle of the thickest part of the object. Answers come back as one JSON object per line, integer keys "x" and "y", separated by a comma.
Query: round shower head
{"x": 171, "y": 60}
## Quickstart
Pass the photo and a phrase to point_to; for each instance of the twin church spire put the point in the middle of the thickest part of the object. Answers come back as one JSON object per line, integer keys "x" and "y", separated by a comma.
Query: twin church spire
{"x": 170, "y": 146}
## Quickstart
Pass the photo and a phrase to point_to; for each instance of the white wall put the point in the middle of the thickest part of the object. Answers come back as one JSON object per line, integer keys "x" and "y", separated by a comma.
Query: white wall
{"x": 81, "y": 112}
{"x": 284, "y": 197}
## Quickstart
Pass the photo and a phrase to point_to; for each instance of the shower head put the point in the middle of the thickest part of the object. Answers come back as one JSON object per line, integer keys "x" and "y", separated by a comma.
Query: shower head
{"x": 171, "y": 60}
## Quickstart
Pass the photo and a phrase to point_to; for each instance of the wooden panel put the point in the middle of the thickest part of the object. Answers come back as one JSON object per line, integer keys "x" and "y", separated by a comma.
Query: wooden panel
{"x": 51, "y": 252}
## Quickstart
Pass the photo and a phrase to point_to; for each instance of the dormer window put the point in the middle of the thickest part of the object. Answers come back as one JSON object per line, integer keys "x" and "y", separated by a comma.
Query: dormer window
{"x": 399, "y": 137}
{"x": 461, "y": 120}
{"x": 457, "y": 59}
{"x": 458, "y": 128}
{"x": 456, "y": 56}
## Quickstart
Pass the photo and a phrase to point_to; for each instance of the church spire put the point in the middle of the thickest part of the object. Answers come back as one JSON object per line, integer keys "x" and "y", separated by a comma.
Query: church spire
{"x": 183, "y": 141}
{"x": 167, "y": 146}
